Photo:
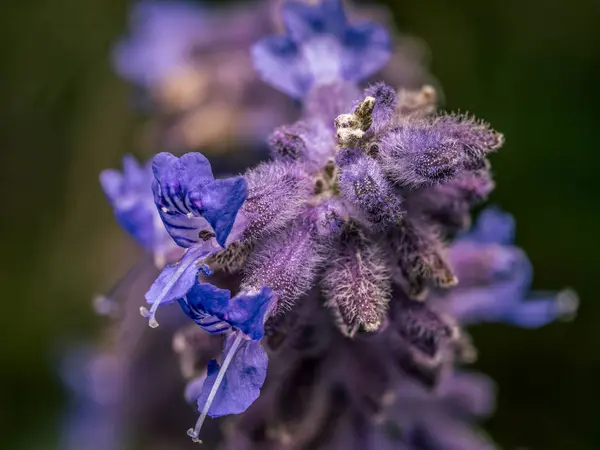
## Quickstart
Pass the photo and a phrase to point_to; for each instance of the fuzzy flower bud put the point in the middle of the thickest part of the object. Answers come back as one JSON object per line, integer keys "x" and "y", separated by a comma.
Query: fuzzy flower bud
{"x": 286, "y": 263}
{"x": 308, "y": 140}
{"x": 384, "y": 110}
{"x": 276, "y": 194}
{"x": 417, "y": 252}
{"x": 363, "y": 185}
{"x": 357, "y": 282}
{"x": 418, "y": 154}
{"x": 449, "y": 204}
{"x": 477, "y": 138}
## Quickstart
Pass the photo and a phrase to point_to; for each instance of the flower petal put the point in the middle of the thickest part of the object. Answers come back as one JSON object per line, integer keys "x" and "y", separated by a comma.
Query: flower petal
{"x": 176, "y": 280}
{"x": 493, "y": 226}
{"x": 277, "y": 60}
{"x": 542, "y": 309}
{"x": 191, "y": 201}
{"x": 220, "y": 202}
{"x": 246, "y": 311}
{"x": 303, "y": 21}
{"x": 242, "y": 381}
{"x": 367, "y": 48}
{"x": 193, "y": 306}
{"x": 130, "y": 195}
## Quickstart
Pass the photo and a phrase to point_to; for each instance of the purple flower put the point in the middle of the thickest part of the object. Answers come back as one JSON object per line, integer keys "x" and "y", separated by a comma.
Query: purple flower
{"x": 130, "y": 194}
{"x": 242, "y": 382}
{"x": 96, "y": 392}
{"x": 199, "y": 213}
{"x": 232, "y": 387}
{"x": 161, "y": 42}
{"x": 215, "y": 312}
{"x": 320, "y": 47}
{"x": 440, "y": 419}
{"x": 496, "y": 278}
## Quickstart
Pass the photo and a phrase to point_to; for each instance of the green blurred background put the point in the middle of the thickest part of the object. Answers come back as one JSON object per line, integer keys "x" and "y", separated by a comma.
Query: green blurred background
{"x": 530, "y": 67}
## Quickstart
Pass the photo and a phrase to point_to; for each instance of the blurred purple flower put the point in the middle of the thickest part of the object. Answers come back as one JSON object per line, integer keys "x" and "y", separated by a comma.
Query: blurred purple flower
{"x": 496, "y": 278}
{"x": 320, "y": 47}
{"x": 130, "y": 194}
{"x": 191, "y": 65}
{"x": 95, "y": 385}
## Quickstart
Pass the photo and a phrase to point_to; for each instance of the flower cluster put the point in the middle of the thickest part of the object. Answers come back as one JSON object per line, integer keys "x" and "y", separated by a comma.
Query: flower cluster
{"x": 192, "y": 71}
{"x": 346, "y": 265}
{"x": 190, "y": 65}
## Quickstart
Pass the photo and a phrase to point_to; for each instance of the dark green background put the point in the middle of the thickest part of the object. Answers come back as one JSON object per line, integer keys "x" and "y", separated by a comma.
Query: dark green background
{"x": 530, "y": 67}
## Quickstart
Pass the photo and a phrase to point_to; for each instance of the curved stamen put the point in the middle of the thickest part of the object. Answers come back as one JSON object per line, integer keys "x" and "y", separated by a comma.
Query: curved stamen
{"x": 106, "y": 304}
{"x": 151, "y": 313}
{"x": 195, "y": 432}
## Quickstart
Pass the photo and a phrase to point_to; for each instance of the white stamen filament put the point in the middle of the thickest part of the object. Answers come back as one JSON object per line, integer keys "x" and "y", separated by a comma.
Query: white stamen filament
{"x": 195, "y": 432}
{"x": 149, "y": 314}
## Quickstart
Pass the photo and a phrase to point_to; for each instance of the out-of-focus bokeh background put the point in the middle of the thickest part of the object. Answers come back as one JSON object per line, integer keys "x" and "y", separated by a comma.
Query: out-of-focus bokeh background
{"x": 530, "y": 67}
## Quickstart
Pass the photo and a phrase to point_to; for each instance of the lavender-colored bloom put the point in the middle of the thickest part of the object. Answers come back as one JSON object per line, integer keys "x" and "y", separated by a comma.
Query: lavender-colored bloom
{"x": 161, "y": 39}
{"x": 496, "y": 279}
{"x": 199, "y": 212}
{"x": 96, "y": 388}
{"x": 242, "y": 381}
{"x": 130, "y": 195}
{"x": 320, "y": 47}
{"x": 440, "y": 419}
{"x": 192, "y": 204}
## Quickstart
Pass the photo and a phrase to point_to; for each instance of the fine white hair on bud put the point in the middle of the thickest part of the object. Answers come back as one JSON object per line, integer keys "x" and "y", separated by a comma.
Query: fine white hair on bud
{"x": 356, "y": 283}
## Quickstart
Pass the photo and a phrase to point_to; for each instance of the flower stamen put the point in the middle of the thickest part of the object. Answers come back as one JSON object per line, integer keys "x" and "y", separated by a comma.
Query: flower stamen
{"x": 195, "y": 432}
